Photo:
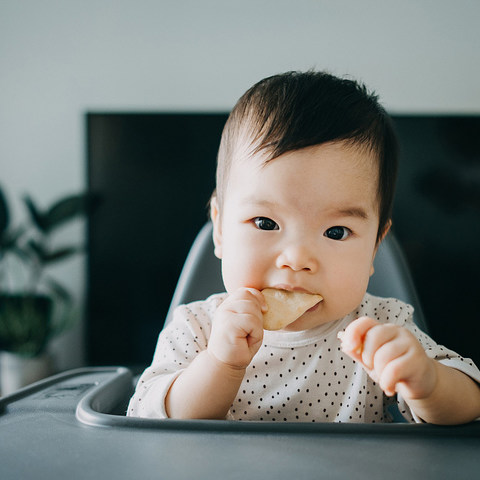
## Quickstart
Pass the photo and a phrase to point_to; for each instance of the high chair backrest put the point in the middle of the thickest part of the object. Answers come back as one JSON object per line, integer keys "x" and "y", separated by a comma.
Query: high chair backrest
{"x": 201, "y": 275}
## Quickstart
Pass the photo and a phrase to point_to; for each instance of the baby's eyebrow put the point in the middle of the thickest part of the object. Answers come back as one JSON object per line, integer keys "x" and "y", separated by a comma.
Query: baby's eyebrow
{"x": 259, "y": 201}
{"x": 348, "y": 211}
{"x": 356, "y": 212}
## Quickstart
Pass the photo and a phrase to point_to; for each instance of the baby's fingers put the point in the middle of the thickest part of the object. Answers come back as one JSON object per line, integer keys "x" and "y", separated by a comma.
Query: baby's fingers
{"x": 354, "y": 336}
{"x": 382, "y": 344}
{"x": 245, "y": 301}
{"x": 411, "y": 374}
{"x": 260, "y": 298}
{"x": 395, "y": 372}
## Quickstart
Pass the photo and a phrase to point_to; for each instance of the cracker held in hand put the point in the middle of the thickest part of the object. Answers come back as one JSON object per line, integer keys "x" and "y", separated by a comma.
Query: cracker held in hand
{"x": 285, "y": 307}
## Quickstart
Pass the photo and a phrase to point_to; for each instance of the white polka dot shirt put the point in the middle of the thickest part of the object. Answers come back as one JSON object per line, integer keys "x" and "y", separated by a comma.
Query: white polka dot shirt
{"x": 295, "y": 376}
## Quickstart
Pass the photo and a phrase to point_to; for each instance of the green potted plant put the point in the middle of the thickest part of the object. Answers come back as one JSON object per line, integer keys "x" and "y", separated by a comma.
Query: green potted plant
{"x": 34, "y": 307}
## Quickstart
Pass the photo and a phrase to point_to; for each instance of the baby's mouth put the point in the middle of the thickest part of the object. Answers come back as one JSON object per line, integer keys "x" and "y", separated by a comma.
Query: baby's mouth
{"x": 289, "y": 288}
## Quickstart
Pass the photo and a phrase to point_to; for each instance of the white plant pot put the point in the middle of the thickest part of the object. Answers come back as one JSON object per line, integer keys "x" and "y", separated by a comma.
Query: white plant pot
{"x": 17, "y": 371}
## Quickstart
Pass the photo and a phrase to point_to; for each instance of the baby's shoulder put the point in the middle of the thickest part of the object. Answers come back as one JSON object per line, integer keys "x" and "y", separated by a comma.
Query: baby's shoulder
{"x": 385, "y": 310}
{"x": 192, "y": 321}
{"x": 201, "y": 311}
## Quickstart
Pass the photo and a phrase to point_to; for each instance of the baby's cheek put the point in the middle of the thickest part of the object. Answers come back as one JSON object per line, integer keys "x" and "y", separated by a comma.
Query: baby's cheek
{"x": 345, "y": 293}
{"x": 242, "y": 271}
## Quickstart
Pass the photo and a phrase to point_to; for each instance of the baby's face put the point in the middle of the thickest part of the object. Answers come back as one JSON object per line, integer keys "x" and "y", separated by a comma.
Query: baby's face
{"x": 305, "y": 221}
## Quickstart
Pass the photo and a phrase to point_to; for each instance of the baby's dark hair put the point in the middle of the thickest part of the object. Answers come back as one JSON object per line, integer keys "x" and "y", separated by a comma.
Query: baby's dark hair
{"x": 295, "y": 110}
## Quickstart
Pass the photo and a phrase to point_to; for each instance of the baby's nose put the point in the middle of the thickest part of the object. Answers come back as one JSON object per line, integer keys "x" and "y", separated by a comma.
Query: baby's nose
{"x": 298, "y": 257}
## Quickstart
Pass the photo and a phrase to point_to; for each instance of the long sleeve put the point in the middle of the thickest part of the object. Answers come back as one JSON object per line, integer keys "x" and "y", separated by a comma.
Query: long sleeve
{"x": 443, "y": 355}
{"x": 178, "y": 344}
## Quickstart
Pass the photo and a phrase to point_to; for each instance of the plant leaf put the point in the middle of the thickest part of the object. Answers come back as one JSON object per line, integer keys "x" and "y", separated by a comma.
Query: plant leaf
{"x": 26, "y": 323}
{"x": 37, "y": 217}
{"x": 37, "y": 249}
{"x": 66, "y": 209}
{"x": 4, "y": 213}
{"x": 62, "y": 319}
{"x": 47, "y": 257}
{"x": 60, "y": 254}
{"x": 10, "y": 238}
{"x": 58, "y": 290}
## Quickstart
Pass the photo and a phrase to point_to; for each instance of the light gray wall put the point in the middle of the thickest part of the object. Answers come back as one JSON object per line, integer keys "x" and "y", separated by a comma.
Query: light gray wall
{"x": 60, "y": 59}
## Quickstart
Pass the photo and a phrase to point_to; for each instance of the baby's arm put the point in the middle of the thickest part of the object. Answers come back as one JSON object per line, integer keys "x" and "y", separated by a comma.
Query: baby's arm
{"x": 207, "y": 388}
{"x": 395, "y": 359}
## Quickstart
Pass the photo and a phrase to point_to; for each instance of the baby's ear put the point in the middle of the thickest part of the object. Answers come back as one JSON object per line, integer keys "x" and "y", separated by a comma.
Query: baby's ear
{"x": 386, "y": 229}
{"x": 217, "y": 227}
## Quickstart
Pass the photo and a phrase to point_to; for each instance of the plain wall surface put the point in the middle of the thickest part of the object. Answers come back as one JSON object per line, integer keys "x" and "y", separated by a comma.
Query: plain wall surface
{"x": 61, "y": 59}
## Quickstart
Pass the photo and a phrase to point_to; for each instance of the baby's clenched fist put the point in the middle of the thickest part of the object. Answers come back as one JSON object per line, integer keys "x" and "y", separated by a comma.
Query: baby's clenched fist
{"x": 392, "y": 356}
{"x": 237, "y": 330}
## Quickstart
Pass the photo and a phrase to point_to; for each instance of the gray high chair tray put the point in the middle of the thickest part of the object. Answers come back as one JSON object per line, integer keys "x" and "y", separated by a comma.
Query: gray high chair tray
{"x": 72, "y": 426}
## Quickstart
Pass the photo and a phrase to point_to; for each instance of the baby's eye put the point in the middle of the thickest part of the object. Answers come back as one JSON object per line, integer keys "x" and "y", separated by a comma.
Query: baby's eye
{"x": 264, "y": 223}
{"x": 338, "y": 233}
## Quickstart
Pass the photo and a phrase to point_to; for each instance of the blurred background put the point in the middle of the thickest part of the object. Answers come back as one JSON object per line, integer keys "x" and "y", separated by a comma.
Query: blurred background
{"x": 63, "y": 61}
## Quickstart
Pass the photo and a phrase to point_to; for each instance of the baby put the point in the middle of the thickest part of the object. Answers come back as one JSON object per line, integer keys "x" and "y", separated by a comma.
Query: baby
{"x": 305, "y": 181}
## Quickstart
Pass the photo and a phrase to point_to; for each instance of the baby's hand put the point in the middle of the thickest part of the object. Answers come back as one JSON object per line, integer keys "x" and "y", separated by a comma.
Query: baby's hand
{"x": 237, "y": 330}
{"x": 392, "y": 356}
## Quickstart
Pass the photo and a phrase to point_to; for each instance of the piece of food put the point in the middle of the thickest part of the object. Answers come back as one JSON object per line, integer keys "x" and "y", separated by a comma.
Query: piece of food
{"x": 284, "y": 307}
